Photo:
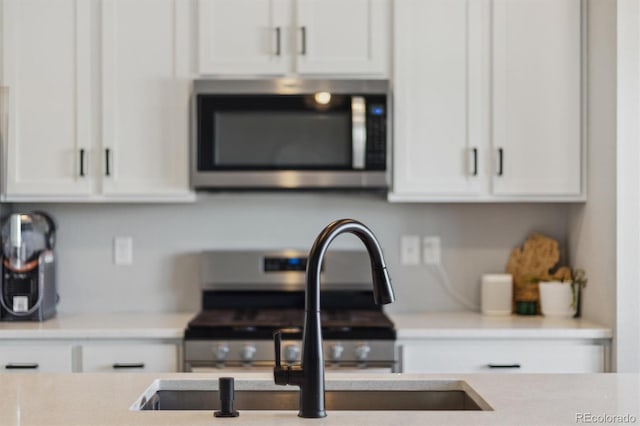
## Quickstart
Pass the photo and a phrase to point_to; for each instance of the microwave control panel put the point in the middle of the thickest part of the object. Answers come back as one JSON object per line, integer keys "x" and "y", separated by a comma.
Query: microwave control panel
{"x": 376, "y": 156}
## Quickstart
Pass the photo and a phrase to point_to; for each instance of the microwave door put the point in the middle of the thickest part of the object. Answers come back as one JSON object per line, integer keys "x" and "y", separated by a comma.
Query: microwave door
{"x": 254, "y": 141}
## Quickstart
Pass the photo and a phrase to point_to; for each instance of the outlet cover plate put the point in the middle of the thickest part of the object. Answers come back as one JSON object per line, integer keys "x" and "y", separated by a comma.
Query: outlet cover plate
{"x": 123, "y": 250}
{"x": 431, "y": 250}
{"x": 410, "y": 250}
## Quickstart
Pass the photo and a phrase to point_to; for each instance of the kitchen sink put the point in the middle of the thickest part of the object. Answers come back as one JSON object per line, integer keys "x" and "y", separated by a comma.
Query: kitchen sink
{"x": 340, "y": 395}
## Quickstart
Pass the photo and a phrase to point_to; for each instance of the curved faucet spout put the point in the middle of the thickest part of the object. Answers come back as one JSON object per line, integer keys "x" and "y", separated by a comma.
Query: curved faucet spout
{"x": 310, "y": 375}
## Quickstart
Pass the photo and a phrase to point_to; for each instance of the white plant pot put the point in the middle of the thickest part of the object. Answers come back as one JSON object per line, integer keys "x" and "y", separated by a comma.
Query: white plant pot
{"x": 556, "y": 298}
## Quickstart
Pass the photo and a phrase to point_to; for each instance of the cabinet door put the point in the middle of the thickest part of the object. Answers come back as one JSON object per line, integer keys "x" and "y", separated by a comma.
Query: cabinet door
{"x": 35, "y": 358}
{"x": 537, "y": 97}
{"x": 342, "y": 36}
{"x": 244, "y": 36}
{"x": 440, "y": 93}
{"x": 46, "y": 71}
{"x": 130, "y": 357}
{"x": 502, "y": 357}
{"x": 145, "y": 89}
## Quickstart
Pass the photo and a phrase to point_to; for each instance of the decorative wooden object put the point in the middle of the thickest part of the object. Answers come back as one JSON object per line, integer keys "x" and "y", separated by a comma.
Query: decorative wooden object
{"x": 535, "y": 261}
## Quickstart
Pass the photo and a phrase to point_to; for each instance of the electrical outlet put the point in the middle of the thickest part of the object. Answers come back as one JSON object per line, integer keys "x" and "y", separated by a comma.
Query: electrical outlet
{"x": 122, "y": 250}
{"x": 410, "y": 250}
{"x": 431, "y": 250}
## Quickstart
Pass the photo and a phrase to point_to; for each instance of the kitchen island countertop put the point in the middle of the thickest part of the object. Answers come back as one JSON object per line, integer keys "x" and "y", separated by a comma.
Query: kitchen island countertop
{"x": 105, "y": 399}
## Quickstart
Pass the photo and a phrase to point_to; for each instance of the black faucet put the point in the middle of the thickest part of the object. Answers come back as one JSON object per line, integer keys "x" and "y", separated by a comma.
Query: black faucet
{"x": 310, "y": 374}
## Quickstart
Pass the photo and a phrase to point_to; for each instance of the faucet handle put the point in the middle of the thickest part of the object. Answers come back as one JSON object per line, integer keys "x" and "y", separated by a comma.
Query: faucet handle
{"x": 280, "y": 373}
{"x": 277, "y": 340}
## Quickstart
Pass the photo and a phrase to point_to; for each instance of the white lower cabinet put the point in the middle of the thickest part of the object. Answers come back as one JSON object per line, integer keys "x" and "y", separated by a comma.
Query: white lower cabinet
{"x": 36, "y": 358}
{"x": 512, "y": 356}
{"x": 129, "y": 357}
{"x": 92, "y": 356}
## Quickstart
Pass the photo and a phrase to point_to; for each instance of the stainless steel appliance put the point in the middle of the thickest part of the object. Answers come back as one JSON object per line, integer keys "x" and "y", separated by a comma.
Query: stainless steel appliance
{"x": 289, "y": 133}
{"x": 28, "y": 287}
{"x": 248, "y": 295}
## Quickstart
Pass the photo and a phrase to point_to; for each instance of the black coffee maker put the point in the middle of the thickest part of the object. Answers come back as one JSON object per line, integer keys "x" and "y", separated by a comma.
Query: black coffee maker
{"x": 28, "y": 290}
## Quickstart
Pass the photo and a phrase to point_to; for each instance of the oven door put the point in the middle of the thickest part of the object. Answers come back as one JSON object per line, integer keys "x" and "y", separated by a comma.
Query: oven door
{"x": 294, "y": 140}
{"x": 226, "y": 368}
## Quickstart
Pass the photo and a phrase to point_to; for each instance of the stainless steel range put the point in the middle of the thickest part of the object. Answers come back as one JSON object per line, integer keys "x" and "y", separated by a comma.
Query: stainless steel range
{"x": 248, "y": 295}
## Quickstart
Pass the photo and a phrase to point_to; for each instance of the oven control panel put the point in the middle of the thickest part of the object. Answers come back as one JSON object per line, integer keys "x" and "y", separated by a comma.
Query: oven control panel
{"x": 283, "y": 264}
{"x": 260, "y": 353}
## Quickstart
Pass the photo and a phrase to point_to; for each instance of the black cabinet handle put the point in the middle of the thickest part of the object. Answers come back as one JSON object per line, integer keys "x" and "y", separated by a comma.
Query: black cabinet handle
{"x": 475, "y": 162}
{"x": 500, "y": 161}
{"x": 124, "y": 365}
{"x": 497, "y": 366}
{"x": 21, "y": 366}
{"x": 107, "y": 154}
{"x": 81, "y": 162}
{"x": 278, "y": 44}
{"x": 303, "y": 35}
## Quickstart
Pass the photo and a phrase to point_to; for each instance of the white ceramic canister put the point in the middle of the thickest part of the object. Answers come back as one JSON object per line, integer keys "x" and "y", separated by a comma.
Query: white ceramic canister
{"x": 496, "y": 294}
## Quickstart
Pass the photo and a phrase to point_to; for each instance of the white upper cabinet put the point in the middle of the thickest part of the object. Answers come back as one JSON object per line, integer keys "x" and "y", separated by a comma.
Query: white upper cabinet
{"x": 342, "y": 36}
{"x": 279, "y": 37}
{"x": 439, "y": 78}
{"x": 536, "y": 96}
{"x": 487, "y": 100}
{"x": 244, "y": 36}
{"x": 98, "y": 99}
{"x": 45, "y": 74}
{"x": 145, "y": 97}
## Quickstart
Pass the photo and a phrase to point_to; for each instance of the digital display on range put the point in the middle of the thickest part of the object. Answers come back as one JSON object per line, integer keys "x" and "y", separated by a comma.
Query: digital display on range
{"x": 282, "y": 264}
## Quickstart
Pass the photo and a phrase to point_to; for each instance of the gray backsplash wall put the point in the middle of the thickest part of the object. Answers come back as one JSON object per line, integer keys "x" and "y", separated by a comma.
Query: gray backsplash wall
{"x": 164, "y": 276}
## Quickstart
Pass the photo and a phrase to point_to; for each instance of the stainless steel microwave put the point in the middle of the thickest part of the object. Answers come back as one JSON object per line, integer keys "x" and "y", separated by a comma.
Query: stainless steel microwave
{"x": 289, "y": 133}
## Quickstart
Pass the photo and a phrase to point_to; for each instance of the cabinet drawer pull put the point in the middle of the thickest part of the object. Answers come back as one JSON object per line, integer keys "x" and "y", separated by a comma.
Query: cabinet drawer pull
{"x": 500, "y": 161}
{"x": 121, "y": 365}
{"x": 21, "y": 366}
{"x": 303, "y": 41}
{"x": 503, "y": 365}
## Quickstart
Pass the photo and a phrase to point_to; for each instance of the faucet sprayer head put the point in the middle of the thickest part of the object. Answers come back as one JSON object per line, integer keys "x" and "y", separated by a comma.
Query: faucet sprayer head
{"x": 382, "y": 289}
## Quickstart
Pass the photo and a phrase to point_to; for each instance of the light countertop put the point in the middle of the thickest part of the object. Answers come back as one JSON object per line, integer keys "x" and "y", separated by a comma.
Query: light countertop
{"x": 116, "y": 326}
{"x": 468, "y": 325}
{"x": 472, "y": 325}
{"x": 105, "y": 399}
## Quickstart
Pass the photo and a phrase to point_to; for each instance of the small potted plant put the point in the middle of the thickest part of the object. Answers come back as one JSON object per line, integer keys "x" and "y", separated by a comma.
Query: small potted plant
{"x": 578, "y": 283}
{"x": 561, "y": 298}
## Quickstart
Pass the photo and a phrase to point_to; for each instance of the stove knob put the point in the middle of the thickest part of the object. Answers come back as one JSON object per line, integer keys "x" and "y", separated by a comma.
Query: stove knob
{"x": 335, "y": 351}
{"x": 291, "y": 353}
{"x": 362, "y": 351}
{"x": 248, "y": 352}
{"x": 221, "y": 351}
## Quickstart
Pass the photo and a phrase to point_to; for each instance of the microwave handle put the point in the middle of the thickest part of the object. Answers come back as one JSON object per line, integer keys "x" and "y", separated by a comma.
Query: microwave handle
{"x": 358, "y": 132}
